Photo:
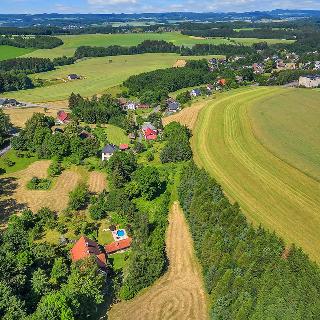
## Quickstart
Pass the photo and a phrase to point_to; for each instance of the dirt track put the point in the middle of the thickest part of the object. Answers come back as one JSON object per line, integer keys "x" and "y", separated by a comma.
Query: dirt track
{"x": 179, "y": 294}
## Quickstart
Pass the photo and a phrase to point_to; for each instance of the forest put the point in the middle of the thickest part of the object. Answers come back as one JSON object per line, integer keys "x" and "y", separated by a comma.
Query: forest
{"x": 97, "y": 110}
{"x": 249, "y": 273}
{"x": 26, "y": 65}
{"x": 11, "y": 81}
{"x": 39, "y": 42}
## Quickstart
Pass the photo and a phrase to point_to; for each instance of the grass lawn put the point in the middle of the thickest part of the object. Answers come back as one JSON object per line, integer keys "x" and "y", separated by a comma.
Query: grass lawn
{"x": 19, "y": 163}
{"x": 115, "y": 134}
{"x": 104, "y": 237}
{"x": 271, "y": 191}
{"x": 8, "y": 52}
{"x": 99, "y": 74}
{"x": 118, "y": 260}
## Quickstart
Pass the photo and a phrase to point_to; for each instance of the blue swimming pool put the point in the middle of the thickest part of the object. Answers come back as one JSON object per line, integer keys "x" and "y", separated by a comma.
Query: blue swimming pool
{"x": 120, "y": 233}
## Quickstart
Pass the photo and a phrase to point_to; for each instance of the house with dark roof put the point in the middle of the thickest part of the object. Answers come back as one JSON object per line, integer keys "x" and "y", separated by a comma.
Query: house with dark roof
{"x": 9, "y": 102}
{"x": 63, "y": 117}
{"x": 108, "y": 151}
{"x": 173, "y": 106}
{"x": 195, "y": 92}
{"x": 73, "y": 76}
{"x": 85, "y": 248}
{"x": 117, "y": 246}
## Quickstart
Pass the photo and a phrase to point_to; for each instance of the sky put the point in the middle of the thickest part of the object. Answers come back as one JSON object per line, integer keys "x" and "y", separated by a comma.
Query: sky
{"x": 137, "y": 6}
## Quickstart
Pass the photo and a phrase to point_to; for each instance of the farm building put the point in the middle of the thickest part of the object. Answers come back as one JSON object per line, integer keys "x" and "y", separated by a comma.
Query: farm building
{"x": 73, "y": 77}
{"x": 117, "y": 246}
{"x": 310, "y": 81}
{"x": 63, "y": 117}
{"x": 108, "y": 151}
{"x": 9, "y": 102}
{"x": 85, "y": 248}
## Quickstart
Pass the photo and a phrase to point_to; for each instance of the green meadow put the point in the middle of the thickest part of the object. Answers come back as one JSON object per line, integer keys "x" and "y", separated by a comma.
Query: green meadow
{"x": 8, "y": 52}
{"x": 98, "y": 75}
{"x": 72, "y": 42}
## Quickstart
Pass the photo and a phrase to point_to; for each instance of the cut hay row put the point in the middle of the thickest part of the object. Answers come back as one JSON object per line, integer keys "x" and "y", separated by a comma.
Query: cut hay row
{"x": 187, "y": 116}
{"x": 97, "y": 182}
{"x": 55, "y": 199}
{"x": 269, "y": 190}
{"x": 179, "y": 294}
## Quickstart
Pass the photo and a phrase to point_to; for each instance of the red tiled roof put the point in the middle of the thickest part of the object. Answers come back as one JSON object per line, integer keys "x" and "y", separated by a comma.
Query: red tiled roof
{"x": 152, "y": 137}
{"x": 118, "y": 245}
{"x": 222, "y": 81}
{"x": 149, "y": 131}
{"x": 124, "y": 146}
{"x": 84, "y": 248}
{"x": 63, "y": 116}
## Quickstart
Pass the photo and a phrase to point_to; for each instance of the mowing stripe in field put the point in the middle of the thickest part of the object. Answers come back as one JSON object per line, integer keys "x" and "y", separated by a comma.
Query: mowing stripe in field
{"x": 269, "y": 190}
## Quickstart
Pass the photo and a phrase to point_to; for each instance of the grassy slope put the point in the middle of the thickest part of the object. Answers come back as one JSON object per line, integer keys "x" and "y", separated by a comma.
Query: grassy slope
{"x": 74, "y": 41}
{"x": 269, "y": 190}
{"x": 8, "y": 52}
{"x": 116, "y": 135}
{"x": 99, "y": 75}
{"x": 290, "y": 129}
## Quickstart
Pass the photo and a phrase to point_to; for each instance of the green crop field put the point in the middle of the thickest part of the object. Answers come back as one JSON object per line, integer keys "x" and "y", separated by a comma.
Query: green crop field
{"x": 271, "y": 191}
{"x": 71, "y": 42}
{"x": 98, "y": 74}
{"x": 8, "y": 52}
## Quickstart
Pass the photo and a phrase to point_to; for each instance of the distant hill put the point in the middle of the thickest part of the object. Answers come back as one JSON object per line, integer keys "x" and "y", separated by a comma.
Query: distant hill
{"x": 55, "y": 19}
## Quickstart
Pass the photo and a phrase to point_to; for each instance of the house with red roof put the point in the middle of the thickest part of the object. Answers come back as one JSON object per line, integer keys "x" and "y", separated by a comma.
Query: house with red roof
{"x": 222, "y": 82}
{"x": 85, "y": 248}
{"x": 150, "y": 134}
{"x": 123, "y": 147}
{"x": 63, "y": 117}
{"x": 117, "y": 246}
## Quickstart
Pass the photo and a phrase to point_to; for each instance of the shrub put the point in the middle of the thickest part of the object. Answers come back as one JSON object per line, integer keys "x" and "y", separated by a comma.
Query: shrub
{"x": 79, "y": 197}
{"x": 39, "y": 184}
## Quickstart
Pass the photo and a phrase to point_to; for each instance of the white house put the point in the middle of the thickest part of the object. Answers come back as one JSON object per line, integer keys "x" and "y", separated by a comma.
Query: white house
{"x": 108, "y": 151}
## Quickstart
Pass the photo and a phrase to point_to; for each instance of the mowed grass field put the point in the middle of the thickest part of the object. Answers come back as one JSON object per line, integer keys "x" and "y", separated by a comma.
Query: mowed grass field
{"x": 72, "y": 42}
{"x": 271, "y": 191}
{"x": 288, "y": 124}
{"x": 179, "y": 294}
{"x": 98, "y": 74}
{"x": 8, "y": 52}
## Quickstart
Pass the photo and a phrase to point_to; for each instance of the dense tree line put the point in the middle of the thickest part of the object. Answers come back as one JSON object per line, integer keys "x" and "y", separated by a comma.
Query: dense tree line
{"x": 63, "y": 61}
{"x": 248, "y": 273}
{"x": 5, "y": 126}
{"x": 97, "y": 110}
{"x": 37, "y": 137}
{"x": 10, "y": 81}
{"x": 39, "y": 42}
{"x": 147, "y": 46}
{"x": 26, "y": 65}
{"x": 177, "y": 147}
{"x": 154, "y": 86}
{"x": 37, "y": 279}
{"x": 231, "y": 33}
